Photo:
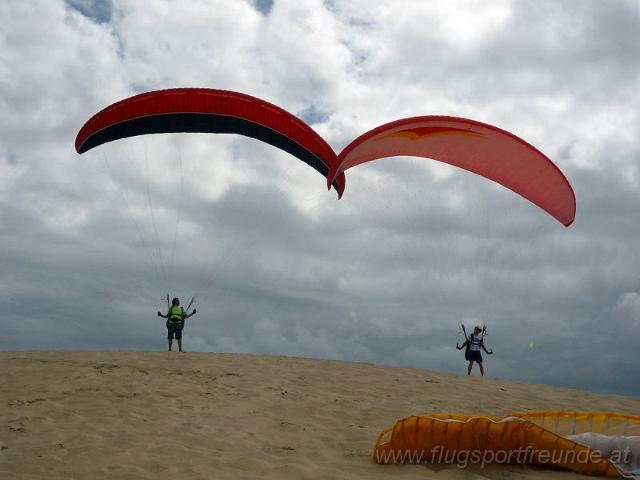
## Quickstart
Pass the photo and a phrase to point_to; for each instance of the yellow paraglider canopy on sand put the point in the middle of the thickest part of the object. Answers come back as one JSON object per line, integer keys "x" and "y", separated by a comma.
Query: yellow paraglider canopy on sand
{"x": 589, "y": 443}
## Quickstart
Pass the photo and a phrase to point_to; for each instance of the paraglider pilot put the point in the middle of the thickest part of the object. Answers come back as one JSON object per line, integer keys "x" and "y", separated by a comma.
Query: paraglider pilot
{"x": 472, "y": 345}
{"x": 175, "y": 322}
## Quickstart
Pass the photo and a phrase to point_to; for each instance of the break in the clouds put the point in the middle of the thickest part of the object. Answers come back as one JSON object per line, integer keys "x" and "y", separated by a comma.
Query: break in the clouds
{"x": 91, "y": 244}
{"x": 99, "y": 11}
{"x": 263, "y": 6}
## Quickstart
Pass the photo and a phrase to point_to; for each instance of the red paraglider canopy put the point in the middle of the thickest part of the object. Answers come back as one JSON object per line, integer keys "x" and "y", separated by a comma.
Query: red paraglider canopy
{"x": 478, "y": 147}
{"x": 209, "y": 111}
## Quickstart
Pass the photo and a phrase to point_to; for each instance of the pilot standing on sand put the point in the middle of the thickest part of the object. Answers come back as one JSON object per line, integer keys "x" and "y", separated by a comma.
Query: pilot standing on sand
{"x": 472, "y": 345}
{"x": 175, "y": 322}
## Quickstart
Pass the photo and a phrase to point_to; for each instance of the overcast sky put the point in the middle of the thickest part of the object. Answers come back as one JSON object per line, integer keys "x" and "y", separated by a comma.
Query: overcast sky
{"x": 90, "y": 245}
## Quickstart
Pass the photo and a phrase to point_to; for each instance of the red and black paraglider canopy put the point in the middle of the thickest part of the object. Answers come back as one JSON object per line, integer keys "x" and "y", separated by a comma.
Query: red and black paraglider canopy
{"x": 204, "y": 110}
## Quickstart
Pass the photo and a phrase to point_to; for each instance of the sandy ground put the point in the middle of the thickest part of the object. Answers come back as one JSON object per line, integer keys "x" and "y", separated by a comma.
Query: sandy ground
{"x": 157, "y": 415}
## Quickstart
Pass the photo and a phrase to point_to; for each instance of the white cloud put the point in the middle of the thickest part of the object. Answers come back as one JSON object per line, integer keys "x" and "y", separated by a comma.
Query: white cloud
{"x": 630, "y": 302}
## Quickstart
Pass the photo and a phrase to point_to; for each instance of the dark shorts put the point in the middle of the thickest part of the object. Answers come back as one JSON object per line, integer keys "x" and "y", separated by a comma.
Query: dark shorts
{"x": 474, "y": 356}
{"x": 174, "y": 329}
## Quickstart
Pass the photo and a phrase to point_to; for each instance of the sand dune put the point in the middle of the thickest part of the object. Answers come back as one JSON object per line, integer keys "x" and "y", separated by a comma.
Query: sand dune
{"x": 157, "y": 415}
